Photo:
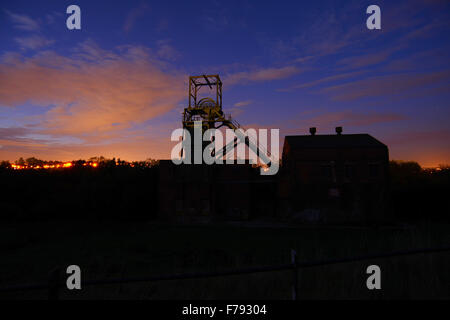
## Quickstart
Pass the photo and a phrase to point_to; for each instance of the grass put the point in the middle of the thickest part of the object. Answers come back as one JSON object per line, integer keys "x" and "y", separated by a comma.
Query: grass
{"x": 112, "y": 249}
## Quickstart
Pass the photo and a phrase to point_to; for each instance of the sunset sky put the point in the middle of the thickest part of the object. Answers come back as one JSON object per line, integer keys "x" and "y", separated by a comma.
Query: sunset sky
{"x": 117, "y": 87}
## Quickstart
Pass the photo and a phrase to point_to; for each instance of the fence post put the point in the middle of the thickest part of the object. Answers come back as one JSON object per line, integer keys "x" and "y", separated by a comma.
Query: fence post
{"x": 295, "y": 274}
{"x": 53, "y": 284}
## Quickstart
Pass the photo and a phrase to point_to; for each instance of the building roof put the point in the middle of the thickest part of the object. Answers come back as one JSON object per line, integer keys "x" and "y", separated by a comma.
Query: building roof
{"x": 333, "y": 141}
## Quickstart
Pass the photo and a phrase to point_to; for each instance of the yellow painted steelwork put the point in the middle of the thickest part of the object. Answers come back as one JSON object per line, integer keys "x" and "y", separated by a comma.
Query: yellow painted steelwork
{"x": 208, "y": 109}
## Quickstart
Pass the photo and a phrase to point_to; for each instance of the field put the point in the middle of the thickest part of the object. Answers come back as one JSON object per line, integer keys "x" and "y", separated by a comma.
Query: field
{"x": 112, "y": 249}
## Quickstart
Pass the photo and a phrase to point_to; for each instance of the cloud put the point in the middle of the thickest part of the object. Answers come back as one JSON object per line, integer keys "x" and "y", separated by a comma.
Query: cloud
{"x": 18, "y": 137}
{"x": 337, "y": 30}
{"x": 263, "y": 74}
{"x": 348, "y": 118}
{"x": 139, "y": 149}
{"x": 352, "y": 118}
{"x": 428, "y": 30}
{"x": 134, "y": 15}
{"x": 92, "y": 92}
{"x": 166, "y": 51}
{"x": 365, "y": 60}
{"x": 386, "y": 85}
{"x": 33, "y": 42}
{"x": 237, "y": 108}
{"x": 23, "y": 22}
{"x": 429, "y": 147}
{"x": 13, "y": 133}
{"x": 414, "y": 136}
{"x": 327, "y": 34}
{"x": 432, "y": 59}
{"x": 323, "y": 80}
{"x": 243, "y": 103}
{"x": 137, "y": 143}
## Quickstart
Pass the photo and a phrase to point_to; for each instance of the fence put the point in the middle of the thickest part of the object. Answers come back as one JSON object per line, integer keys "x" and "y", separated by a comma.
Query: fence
{"x": 54, "y": 282}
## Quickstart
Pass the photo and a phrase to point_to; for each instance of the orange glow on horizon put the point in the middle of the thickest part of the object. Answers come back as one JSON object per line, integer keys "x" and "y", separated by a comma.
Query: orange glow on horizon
{"x": 51, "y": 166}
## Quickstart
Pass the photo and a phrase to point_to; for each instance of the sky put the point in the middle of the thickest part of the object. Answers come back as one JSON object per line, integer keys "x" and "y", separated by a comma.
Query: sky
{"x": 117, "y": 87}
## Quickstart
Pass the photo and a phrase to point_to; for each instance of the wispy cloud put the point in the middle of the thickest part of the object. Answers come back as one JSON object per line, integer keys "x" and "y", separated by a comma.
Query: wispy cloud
{"x": 262, "y": 74}
{"x": 243, "y": 103}
{"x": 166, "y": 51}
{"x": 93, "y": 92}
{"x": 238, "y": 107}
{"x": 13, "y": 133}
{"x": 326, "y": 34}
{"x": 368, "y": 59}
{"x": 386, "y": 85}
{"x": 436, "y": 58}
{"x": 429, "y": 147}
{"x": 33, "y": 42}
{"x": 414, "y": 136}
{"x": 322, "y": 80}
{"x": 349, "y": 118}
{"x": 23, "y": 22}
{"x": 134, "y": 15}
{"x": 54, "y": 17}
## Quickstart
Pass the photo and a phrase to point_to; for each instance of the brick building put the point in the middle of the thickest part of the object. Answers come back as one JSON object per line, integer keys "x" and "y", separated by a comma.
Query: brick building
{"x": 323, "y": 178}
{"x": 337, "y": 177}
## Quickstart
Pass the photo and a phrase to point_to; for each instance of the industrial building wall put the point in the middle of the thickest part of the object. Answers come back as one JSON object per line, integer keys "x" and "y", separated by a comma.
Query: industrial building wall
{"x": 215, "y": 191}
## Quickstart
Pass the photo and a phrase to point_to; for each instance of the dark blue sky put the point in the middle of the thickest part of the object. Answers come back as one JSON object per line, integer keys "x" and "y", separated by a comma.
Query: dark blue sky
{"x": 117, "y": 86}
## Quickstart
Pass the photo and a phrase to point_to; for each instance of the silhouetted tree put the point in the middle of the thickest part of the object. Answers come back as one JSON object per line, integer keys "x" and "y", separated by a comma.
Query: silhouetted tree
{"x": 20, "y": 162}
{"x": 151, "y": 162}
{"x": 98, "y": 159}
{"x": 404, "y": 171}
{"x": 34, "y": 162}
{"x": 5, "y": 164}
{"x": 418, "y": 193}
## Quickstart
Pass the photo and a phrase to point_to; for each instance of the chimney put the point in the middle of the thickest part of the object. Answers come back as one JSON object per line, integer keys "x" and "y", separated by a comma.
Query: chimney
{"x": 339, "y": 130}
{"x": 312, "y": 131}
